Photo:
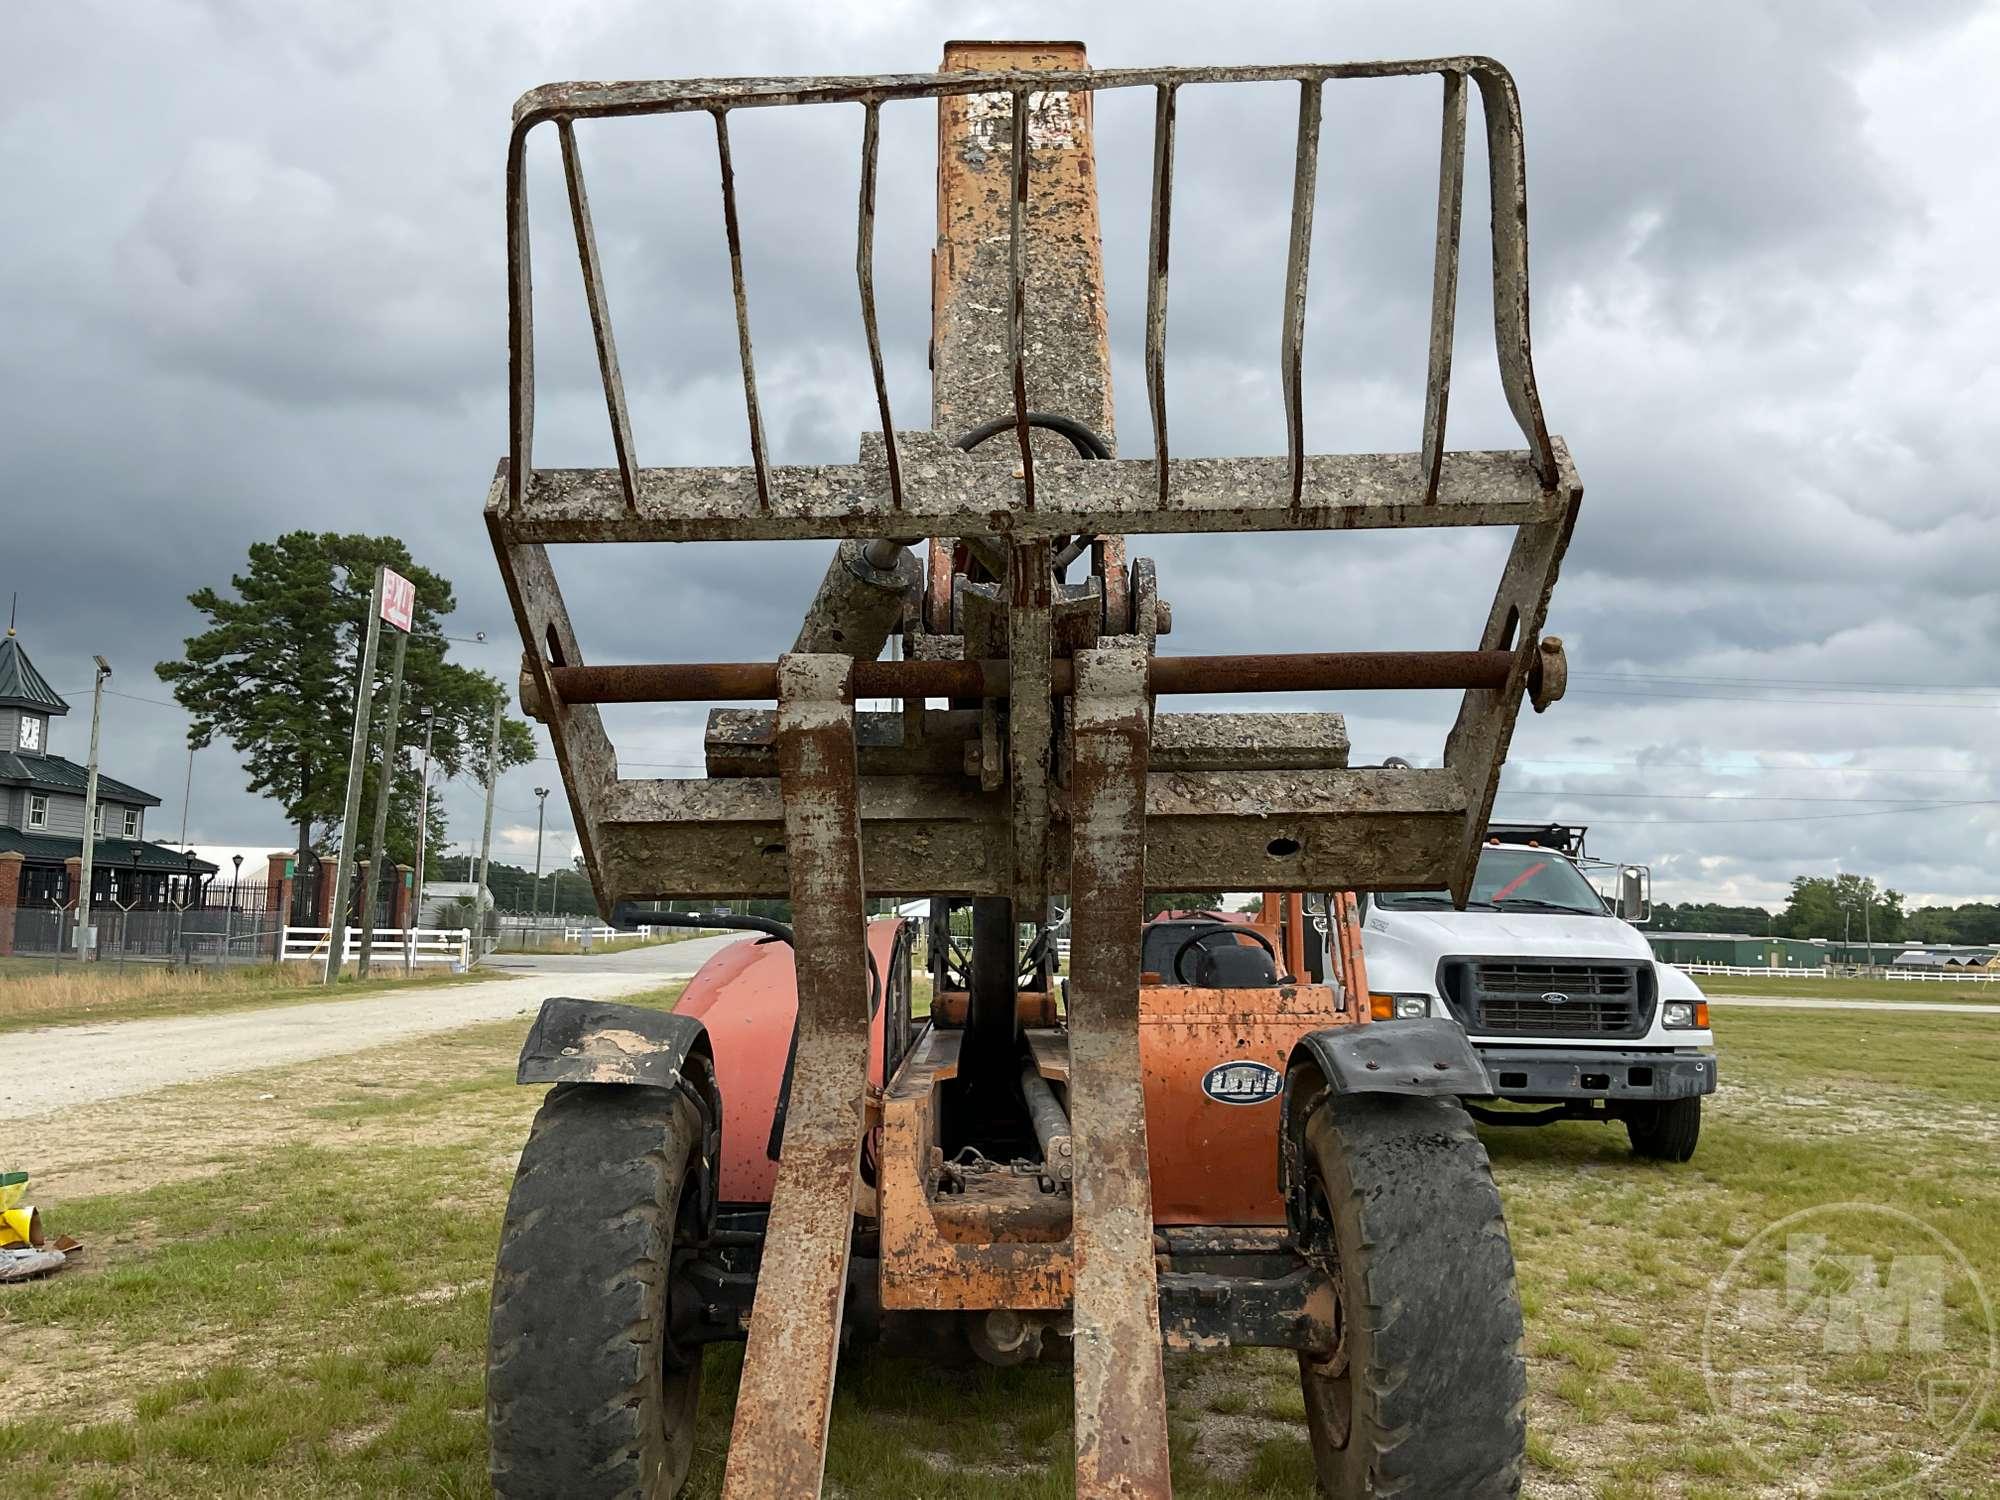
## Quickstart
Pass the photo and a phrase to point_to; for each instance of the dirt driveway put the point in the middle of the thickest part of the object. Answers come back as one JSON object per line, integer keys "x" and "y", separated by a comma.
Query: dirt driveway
{"x": 60, "y": 1067}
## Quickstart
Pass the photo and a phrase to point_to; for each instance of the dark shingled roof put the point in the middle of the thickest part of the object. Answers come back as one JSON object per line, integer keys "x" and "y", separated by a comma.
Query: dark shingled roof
{"x": 21, "y": 686}
{"x": 53, "y": 849}
{"x": 51, "y": 773}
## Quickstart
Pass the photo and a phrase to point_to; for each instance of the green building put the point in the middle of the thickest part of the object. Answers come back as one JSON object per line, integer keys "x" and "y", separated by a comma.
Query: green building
{"x": 1739, "y": 950}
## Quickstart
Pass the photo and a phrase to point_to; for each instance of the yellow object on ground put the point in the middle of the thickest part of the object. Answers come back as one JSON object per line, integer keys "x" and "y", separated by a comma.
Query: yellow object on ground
{"x": 19, "y": 1226}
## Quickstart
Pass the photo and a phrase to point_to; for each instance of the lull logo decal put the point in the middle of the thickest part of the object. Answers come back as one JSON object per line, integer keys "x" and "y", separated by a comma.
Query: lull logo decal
{"x": 1242, "y": 1082}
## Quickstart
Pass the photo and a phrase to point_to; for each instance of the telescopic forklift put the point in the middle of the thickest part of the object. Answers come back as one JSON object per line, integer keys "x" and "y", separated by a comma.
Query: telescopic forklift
{"x": 1187, "y": 1141}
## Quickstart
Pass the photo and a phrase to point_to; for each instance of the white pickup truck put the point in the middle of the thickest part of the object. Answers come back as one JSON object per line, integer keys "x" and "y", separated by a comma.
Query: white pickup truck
{"x": 1558, "y": 992}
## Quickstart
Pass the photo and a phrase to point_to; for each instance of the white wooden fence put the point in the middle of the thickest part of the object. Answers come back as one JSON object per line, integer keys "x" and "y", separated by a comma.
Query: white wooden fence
{"x": 603, "y": 934}
{"x": 1761, "y": 972}
{"x": 1935, "y": 976}
{"x": 393, "y": 946}
{"x": 1944, "y": 976}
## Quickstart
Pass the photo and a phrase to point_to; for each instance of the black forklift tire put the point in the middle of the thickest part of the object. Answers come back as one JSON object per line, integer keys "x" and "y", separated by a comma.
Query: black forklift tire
{"x": 1427, "y": 1393}
{"x": 1666, "y": 1130}
{"x": 585, "y": 1394}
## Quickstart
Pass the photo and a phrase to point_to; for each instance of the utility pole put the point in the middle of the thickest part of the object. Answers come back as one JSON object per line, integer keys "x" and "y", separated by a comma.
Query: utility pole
{"x": 364, "y": 698}
{"x": 541, "y": 817}
{"x": 87, "y": 874}
{"x": 423, "y": 840}
{"x": 187, "y": 791}
{"x": 479, "y": 896}
{"x": 384, "y": 784}
{"x": 1867, "y": 930}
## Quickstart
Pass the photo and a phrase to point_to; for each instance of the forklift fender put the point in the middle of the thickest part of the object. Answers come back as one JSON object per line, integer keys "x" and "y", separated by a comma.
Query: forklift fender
{"x": 1420, "y": 1055}
{"x": 590, "y": 1041}
{"x": 594, "y": 1042}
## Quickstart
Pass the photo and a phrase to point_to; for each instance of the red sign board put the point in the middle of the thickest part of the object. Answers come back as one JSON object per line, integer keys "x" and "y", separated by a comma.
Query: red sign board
{"x": 399, "y": 599}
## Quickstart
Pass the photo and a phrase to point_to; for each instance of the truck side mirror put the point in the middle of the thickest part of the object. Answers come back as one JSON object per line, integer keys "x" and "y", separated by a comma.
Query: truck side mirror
{"x": 1635, "y": 894}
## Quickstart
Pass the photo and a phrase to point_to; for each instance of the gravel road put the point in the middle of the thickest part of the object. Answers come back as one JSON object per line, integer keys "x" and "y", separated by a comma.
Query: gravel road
{"x": 60, "y": 1067}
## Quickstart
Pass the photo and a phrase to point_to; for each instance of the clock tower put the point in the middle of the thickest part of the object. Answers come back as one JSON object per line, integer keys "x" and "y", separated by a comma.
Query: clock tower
{"x": 27, "y": 702}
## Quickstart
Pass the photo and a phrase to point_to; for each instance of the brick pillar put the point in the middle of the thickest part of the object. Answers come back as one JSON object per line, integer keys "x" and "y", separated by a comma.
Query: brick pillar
{"x": 10, "y": 898}
{"x": 73, "y": 884}
{"x": 405, "y": 898}
{"x": 278, "y": 900}
{"x": 329, "y": 872}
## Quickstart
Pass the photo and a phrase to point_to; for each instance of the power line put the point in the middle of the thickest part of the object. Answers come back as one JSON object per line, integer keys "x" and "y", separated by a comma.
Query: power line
{"x": 114, "y": 693}
{"x": 1732, "y": 770}
{"x": 1799, "y": 818}
{"x": 1565, "y": 791}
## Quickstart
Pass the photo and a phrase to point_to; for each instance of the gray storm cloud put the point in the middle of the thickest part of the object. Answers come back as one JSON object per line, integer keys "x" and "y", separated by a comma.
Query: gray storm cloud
{"x": 253, "y": 280}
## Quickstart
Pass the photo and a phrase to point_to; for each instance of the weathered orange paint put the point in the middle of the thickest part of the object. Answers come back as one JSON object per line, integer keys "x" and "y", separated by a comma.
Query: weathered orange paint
{"x": 1215, "y": 1163}
{"x": 747, "y": 997}
{"x": 1008, "y": 1246}
{"x": 1002, "y": 1243}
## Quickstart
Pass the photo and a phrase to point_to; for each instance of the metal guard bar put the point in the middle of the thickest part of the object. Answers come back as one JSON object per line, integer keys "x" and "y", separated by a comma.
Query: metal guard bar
{"x": 1335, "y": 671}
{"x": 565, "y": 103}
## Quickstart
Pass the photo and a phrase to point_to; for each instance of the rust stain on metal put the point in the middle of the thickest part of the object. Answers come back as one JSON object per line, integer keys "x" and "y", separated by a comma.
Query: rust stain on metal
{"x": 1060, "y": 360}
{"x": 1030, "y": 719}
{"x": 1121, "y": 1397}
{"x": 778, "y": 1443}
{"x": 993, "y": 677}
{"x": 1007, "y": 1246}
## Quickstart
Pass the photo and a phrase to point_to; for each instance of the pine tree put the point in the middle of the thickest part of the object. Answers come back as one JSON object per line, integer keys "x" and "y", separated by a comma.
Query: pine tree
{"x": 274, "y": 674}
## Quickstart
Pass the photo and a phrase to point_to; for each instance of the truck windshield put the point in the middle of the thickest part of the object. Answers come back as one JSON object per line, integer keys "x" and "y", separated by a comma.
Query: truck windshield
{"x": 1510, "y": 878}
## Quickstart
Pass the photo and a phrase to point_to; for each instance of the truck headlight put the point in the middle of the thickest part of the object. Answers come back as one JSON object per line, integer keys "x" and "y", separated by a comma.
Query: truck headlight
{"x": 1398, "y": 1007}
{"x": 1685, "y": 1015}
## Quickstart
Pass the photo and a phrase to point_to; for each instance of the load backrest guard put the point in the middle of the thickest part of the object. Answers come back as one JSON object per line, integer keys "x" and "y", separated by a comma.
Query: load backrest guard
{"x": 950, "y": 800}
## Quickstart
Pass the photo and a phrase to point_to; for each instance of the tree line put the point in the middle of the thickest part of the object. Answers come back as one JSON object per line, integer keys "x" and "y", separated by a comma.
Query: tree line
{"x": 1839, "y": 908}
{"x": 274, "y": 674}
{"x": 565, "y": 891}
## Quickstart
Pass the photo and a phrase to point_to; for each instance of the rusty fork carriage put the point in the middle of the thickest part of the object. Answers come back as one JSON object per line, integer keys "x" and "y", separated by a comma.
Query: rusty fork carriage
{"x": 1050, "y": 778}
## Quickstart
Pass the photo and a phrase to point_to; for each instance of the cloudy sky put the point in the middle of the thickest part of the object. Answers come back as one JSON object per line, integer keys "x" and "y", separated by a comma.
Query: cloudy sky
{"x": 251, "y": 279}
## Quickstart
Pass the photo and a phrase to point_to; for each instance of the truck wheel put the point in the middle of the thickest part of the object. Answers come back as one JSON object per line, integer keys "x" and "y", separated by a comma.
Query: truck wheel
{"x": 1426, "y": 1390}
{"x": 586, "y": 1394}
{"x": 1666, "y": 1131}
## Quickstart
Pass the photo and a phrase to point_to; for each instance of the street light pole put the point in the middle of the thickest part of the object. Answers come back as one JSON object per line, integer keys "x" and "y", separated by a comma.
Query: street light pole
{"x": 429, "y": 716}
{"x": 486, "y": 839}
{"x": 541, "y": 816}
{"x": 87, "y": 873}
{"x": 235, "y": 896}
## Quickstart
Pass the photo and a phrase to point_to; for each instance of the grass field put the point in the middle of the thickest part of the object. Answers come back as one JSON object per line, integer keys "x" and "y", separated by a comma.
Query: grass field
{"x": 1851, "y": 989}
{"x": 38, "y": 994}
{"x": 285, "y": 1292}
